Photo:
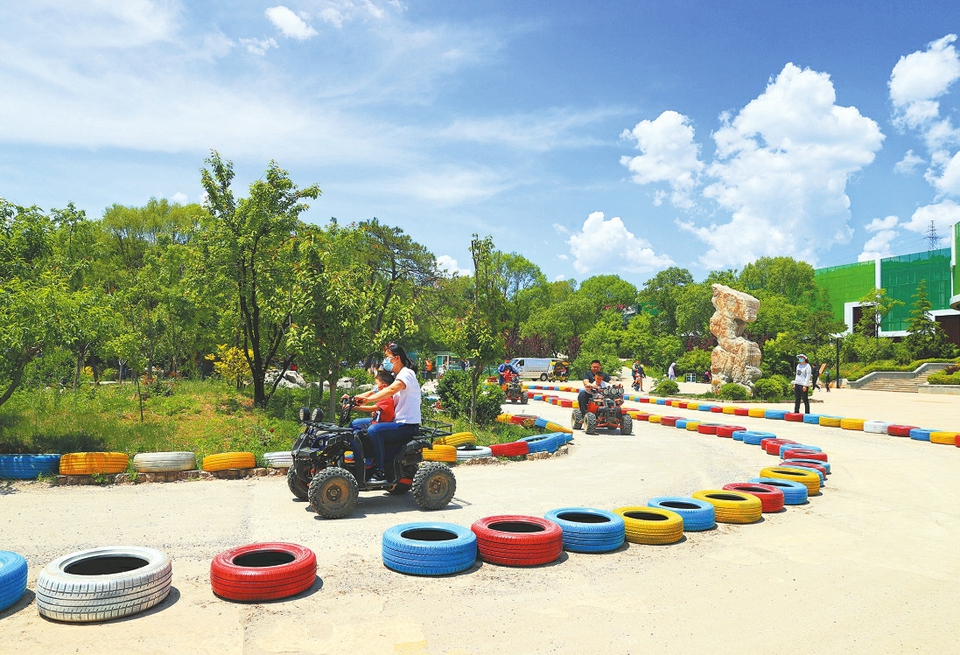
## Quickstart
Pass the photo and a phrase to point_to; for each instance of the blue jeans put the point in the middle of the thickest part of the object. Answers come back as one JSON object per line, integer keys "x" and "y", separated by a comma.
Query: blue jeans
{"x": 358, "y": 424}
{"x": 385, "y": 438}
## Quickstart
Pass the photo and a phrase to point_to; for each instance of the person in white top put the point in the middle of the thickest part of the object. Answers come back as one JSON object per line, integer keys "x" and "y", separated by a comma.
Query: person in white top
{"x": 386, "y": 438}
{"x": 801, "y": 384}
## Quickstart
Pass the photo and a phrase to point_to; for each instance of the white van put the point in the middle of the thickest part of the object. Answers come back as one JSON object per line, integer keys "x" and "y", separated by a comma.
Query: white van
{"x": 533, "y": 368}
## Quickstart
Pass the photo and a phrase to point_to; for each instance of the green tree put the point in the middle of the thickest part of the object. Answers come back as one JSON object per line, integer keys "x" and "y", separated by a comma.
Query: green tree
{"x": 608, "y": 292}
{"x": 926, "y": 338}
{"x": 783, "y": 276}
{"x": 660, "y": 297}
{"x": 875, "y": 305}
{"x": 248, "y": 243}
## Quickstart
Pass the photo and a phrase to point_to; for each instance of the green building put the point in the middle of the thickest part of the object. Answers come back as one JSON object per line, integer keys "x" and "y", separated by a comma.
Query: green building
{"x": 900, "y": 276}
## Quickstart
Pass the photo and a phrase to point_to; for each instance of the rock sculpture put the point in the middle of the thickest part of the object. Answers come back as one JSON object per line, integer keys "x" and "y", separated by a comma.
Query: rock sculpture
{"x": 736, "y": 358}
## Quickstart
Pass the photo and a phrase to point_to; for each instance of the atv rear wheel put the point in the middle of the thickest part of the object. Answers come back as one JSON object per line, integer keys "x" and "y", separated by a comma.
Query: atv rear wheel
{"x": 297, "y": 486}
{"x": 433, "y": 485}
{"x": 333, "y": 492}
{"x": 577, "y": 419}
{"x": 626, "y": 424}
{"x": 591, "y": 421}
{"x": 523, "y": 397}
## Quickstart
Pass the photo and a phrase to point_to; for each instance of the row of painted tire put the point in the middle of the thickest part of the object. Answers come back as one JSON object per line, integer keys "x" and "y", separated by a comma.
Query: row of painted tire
{"x": 433, "y": 548}
{"x": 530, "y": 421}
{"x": 548, "y": 443}
{"x": 107, "y": 583}
{"x": 28, "y": 467}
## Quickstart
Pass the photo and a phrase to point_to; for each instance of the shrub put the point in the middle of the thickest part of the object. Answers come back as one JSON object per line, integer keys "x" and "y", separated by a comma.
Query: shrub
{"x": 666, "y": 387}
{"x": 489, "y": 399}
{"x": 769, "y": 388}
{"x": 944, "y": 378}
{"x": 694, "y": 361}
{"x": 733, "y": 391}
{"x": 454, "y": 391}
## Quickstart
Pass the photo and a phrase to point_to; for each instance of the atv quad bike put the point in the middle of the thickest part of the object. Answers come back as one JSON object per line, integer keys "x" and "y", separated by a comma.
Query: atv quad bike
{"x": 513, "y": 390}
{"x": 604, "y": 411}
{"x": 332, "y": 465}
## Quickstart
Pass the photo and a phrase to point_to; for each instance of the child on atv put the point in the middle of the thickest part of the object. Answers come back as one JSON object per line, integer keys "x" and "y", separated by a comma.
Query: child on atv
{"x": 383, "y": 411}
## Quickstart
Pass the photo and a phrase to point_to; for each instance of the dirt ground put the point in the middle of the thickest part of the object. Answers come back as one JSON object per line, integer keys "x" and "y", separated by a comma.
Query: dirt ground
{"x": 868, "y": 566}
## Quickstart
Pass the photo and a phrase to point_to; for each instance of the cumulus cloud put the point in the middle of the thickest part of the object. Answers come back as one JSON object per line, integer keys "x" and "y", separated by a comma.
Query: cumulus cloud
{"x": 258, "y": 46}
{"x": 909, "y": 163}
{"x": 180, "y": 198}
{"x": 942, "y": 214}
{"x": 450, "y": 267}
{"x": 607, "y": 246}
{"x": 879, "y": 244}
{"x": 669, "y": 154}
{"x": 290, "y": 24}
{"x": 781, "y": 169}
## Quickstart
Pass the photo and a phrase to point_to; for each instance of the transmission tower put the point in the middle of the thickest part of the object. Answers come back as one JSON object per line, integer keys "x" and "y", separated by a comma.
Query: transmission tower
{"x": 933, "y": 239}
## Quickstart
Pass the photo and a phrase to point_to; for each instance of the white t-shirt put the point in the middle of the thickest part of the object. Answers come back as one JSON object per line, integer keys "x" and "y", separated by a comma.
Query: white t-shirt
{"x": 408, "y": 398}
{"x": 804, "y": 376}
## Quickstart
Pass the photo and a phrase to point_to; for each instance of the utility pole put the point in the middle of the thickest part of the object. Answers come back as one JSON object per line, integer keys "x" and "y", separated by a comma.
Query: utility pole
{"x": 933, "y": 239}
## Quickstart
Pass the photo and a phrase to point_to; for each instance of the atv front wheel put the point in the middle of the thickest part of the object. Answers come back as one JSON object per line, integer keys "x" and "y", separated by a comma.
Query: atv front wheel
{"x": 577, "y": 419}
{"x": 333, "y": 492}
{"x": 591, "y": 421}
{"x": 433, "y": 485}
{"x": 626, "y": 424}
{"x": 297, "y": 486}
{"x": 523, "y": 398}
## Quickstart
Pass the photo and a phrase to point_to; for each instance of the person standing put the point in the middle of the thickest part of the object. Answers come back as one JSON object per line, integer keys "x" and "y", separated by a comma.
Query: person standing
{"x": 672, "y": 371}
{"x": 591, "y": 382}
{"x": 801, "y": 384}
{"x": 429, "y": 367}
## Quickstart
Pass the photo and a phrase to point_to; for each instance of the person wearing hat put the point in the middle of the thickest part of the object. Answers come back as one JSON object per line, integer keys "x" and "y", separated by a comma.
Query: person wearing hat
{"x": 801, "y": 384}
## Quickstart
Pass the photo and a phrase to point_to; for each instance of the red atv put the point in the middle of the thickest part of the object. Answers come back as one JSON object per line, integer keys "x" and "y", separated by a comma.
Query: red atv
{"x": 512, "y": 388}
{"x": 605, "y": 410}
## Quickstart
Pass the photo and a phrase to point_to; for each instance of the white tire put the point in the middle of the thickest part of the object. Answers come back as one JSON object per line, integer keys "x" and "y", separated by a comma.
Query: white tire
{"x": 164, "y": 462}
{"x": 282, "y": 459}
{"x": 100, "y": 584}
{"x": 472, "y": 452}
{"x": 876, "y": 427}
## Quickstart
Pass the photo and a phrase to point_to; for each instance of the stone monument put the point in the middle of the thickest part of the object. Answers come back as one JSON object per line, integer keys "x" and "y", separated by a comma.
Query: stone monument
{"x": 736, "y": 358}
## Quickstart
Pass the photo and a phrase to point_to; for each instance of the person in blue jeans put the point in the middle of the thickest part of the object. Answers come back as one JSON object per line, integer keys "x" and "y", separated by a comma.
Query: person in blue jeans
{"x": 386, "y": 438}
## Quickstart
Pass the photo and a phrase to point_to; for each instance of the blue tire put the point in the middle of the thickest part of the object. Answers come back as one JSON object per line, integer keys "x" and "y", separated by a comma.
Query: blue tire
{"x": 738, "y": 435}
{"x": 705, "y": 408}
{"x": 588, "y": 530}
{"x": 798, "y": 446}
{"x": 28, "y": 467}
{"x": 697, "y": 514}
{"x": 794, "y": 493}
{"x": 540, "y": 422}
{"x": 811, "y": 418}
{"x": 800, "y": 460}
{"x": 681, "y": 423}
{"x": 775, "y": 414}
{"x": 661, "y": 401}
{"x": 429, "y": 548}
{"x": 920, "y": 434}
{"x": 543, "y": 443}
{"x": 13, "y": 578}
{"x": 754, "y": 437}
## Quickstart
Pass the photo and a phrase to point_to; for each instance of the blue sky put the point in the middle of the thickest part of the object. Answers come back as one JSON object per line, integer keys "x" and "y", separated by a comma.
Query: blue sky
{"x": 611, "y": 137}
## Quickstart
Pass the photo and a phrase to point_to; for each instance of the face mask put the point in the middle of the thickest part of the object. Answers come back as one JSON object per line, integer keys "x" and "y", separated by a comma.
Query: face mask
{"x": 388, "y": 365}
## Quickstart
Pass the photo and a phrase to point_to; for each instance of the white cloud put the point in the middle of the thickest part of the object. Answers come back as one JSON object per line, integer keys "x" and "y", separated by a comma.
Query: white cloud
{"x": 948, "y": 181}
{"x": 943, "y": 214}
{"x": 603, "y": 246}
{"x": 338, "y": 12}
{"x": 449, "y": 265}
{"x": 289, "y": 24}
{"x": 916, "y": 81}
{"x": 782, "y": 167}
{"x": 180, "y": 198}
{"x": 879, "y": 244}
{"x": 450, "y": 185}
{"x": 909, "y": 163}
{"x": 258, "y": 46}
{"x": 669, "y": 155}
{"x": 878, "y": 224}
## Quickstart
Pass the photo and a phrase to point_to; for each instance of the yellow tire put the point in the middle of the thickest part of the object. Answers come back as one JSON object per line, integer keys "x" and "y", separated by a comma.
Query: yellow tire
{"x": 503, "y": 418}
{"x": 851, "y": 423}
{"x": 830, "y": 421}
{"x": 93, "y": 463}
{"x": 693, "y": 405}
{"x": 943, "y": 437}
{"x": 440, "y": 453}
{"x": 732, "y": 506}
{"x": 654, "y": 418}
{"x": 806, "y": 477}
{"x": 457, "y": 439}
{"x": 729, "y": 409}
{"x": 556, "y": 427}
{"x": 651, "y": 525}
{"x": 757, "y": 412}
{"x": 227, "y": 461}
{"x": 692, "y": 425}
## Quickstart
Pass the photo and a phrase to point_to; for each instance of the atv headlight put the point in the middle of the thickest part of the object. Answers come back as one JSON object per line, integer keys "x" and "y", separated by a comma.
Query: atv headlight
{"x": 316, "y": 415}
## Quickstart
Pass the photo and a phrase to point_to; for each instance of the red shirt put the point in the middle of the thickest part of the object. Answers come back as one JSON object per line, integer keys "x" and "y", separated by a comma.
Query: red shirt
{"x": 385, "y": 411}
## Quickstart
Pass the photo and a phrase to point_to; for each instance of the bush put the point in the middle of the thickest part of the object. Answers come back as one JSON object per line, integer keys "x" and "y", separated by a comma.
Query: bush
{"x": 666, "y": 387}
{"x": 694, "y": 361}
{"x": 454, "y": 391}
{"x": 489, "y": 399}
{"x": 733, "y": 391}
{"x": 769, "y": 388}
{"x": 944, "y": 377}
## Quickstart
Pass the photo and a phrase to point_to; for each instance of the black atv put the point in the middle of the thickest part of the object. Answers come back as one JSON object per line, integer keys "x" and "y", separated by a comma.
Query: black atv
{"x": 331, "y": 465}
{"x": 605, "y": 410}
{"x": 514, "y": 391}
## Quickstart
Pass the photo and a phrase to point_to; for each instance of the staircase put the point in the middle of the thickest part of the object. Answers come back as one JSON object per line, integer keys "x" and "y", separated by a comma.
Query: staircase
{"x": 902, "y": 381}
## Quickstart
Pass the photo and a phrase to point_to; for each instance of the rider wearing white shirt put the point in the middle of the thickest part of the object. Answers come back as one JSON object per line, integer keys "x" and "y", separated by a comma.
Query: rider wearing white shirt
{"x": 802, "y": 382}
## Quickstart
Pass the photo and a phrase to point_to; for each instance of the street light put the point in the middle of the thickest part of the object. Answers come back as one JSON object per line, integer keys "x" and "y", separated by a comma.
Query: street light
{"x": 838, "y": 338}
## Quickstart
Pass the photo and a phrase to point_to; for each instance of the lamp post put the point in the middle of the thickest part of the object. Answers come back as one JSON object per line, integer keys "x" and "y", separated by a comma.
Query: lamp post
{"x": 839, "y": 338}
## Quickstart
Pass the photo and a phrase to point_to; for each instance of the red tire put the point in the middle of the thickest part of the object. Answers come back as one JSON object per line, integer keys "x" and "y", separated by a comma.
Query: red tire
{"x": 716, "y": 409}
{"x": 264, "y": 571}
{"x": 728, "y": 430}
{"x": 515, "y": 540}
{"x": 772, "y": 446}
{"x": 670, "y": 421}
{"x": 741, "y": 411}
{"x": 681, "y": 405}
{"x": 802, "y": 453}
{"x": 900, "y": 430}
{"x": 806, "y": 465}
{"x": 707, "y": 428}
{"x": 514, "y": 449}
{"x": 771, "y": 498}
{"x": 793, "y": 416}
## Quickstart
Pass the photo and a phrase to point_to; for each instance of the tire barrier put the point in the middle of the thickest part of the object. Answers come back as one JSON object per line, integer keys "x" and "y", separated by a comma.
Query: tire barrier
{"x": 717, "y": 409}
{"x": 463, "y": 438}
{"x": 756, "y": 412}
{"x": 514, "y": 540}
{"x": 280, "y": 459}
{"x": 807, "y": 464}
{"x": 803, "y": 465}
{"x": 811, "y": 418}
{"x": 707, "y": 428}
{"x": 692, "y": 426}
{"x": 651, "y": 525}
{"x": 824, "y": 465}
{"x": 263, "y": 571}
{"x": 741, "y": 411}
{"x": 28, "y": 467}
{"x": 513, "y": 449}
{"x": 167, "y": 462}
{"x": 797, "y": 446}
{"x": 754, "y": 437}
{"x": 654, "y": 418}
{"x": 895, "y": 430}
{"x": 101, "y": 584}
{"x": 943, "y": 437}
{"x": 729, "y": 409}
{"x": 775, "y": 414}
{"x": 698, "y": 515}
{"x": 920, "y": 434}
{"x": 805, "y": 477}
{"x": 227, "y": 461}
{"x": 852, "y": 423}
{"x": 803, "y": 453}
{"x": 728, "y": 430}
{"x": 771, "y": 445}
{"x": 543, "y": 443}
{"x": 875, "y": 427}
{"x": 830, "y": 421}
{"x": 732, "y": 506}
{"x": 680, "y": 423}
{"x": 13, "y": 578}
{"x": 705, "y": 408}
{"x": 588, "y": 530}
{"x": 794, "y": 493}
{"x": 428, "y": 548}
{"x": 440, "y": 453}
{"x": 771, "y": 498}
{"x": 670, "y": 421}
{"x": 93, "y": 463}
{"x": 472, "y": 452}
{"x": 793, "y": 417}
{"x": 738, "y": 434}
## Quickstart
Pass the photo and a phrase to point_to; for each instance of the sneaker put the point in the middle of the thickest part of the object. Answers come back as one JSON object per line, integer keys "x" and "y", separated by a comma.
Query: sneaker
{"x": 377, "y": 477}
